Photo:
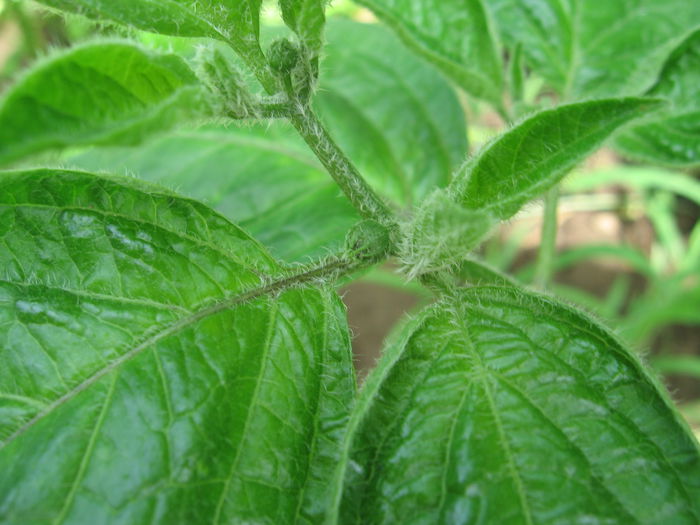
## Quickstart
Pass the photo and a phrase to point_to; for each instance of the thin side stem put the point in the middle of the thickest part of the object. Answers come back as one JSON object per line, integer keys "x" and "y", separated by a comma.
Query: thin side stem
{"x": 548, "y": 244}
{"x": 361, "y": 195}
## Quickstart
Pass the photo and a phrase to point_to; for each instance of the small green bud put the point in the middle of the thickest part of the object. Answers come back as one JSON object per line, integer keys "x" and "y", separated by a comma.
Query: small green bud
{"x": 369, "y": 240}
{"x": 283, "y": 56}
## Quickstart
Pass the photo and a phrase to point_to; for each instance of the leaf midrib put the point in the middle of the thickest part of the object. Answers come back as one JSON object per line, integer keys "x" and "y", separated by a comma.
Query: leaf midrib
{"x": 175, "y": 327}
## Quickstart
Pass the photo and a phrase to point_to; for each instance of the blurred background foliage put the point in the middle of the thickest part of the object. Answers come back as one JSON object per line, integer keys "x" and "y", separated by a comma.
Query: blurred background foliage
{"x": 628, "y": 249}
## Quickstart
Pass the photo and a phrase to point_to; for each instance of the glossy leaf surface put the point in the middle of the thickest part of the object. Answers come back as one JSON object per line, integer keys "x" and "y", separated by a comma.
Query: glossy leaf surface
{"x": 674, "y": 139}
{"x": 263, "y": 178}
{"x": 498, "y": 406}
{"x": 395, "y": 116}
{"x": 88, "y": 96}
{"x": 535, "y": 154}
{"x": 154, "y": 368}
{"x": 455, "y": 35}
{"x": 233, "y": 21}
{"x": 594, "y": 49}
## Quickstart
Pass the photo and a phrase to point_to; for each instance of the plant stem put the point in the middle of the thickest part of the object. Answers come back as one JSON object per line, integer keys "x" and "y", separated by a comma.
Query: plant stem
{"x": 548, "y": 244}
{"x": 361, "y": 195}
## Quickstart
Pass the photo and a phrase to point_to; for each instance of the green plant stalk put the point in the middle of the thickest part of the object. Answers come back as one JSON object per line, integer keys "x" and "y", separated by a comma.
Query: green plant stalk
{"x": 548, "y": 245}
{"x": 345, "y": 174}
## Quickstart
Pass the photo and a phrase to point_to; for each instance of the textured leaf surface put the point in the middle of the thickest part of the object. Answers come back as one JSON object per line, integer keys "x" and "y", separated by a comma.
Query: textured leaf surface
{"x": 535, "y": 154}
{"x": 96, "y": 94}
{"x": 395, "y": 116}
{"x": 674, "y": 139}
{"x": 263, "y": 178}
{"x": 587, "y": 49}
{"x": 455, "y": 35}
{"x": 234, "y": 21}
{"x": 148, "y": 374}
{"x": 498, "y": 406}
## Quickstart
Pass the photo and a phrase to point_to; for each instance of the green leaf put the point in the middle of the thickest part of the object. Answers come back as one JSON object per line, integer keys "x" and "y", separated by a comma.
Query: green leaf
{"x": 678, "y": 365}
{"x": 535, "y": 154}
{"x": 593, "y": 49}
{"x": 441, "y": 234}
{"x": 455, "y": 35}
{"x": 156, "y": 365}
{"x": 307, "y": 19}
{"x": 673, "y": 139}
{"x": 474, "y": 272}
{"x": 261, "y": 177}
{"x": 500, "y": 406}
{"x": 87, "y": 96}
{"x": 234, "y": 21}
{"x": 395, "y": 116}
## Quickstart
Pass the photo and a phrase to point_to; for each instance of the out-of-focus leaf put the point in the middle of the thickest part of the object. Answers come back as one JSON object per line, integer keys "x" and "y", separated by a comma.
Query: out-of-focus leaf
{"x": 673, "y": 139}
{"x": 234, "y": 21}
{"x": 455, "y": 35}
{"x": 640, "y": 177}
{"x": 395, "y": 116}
{"x": 154, "y": 367}
{"x": 535, "y": 154}
{"x": 499, "y": 406}
{"x": 596, "y": 49}
{"x": 262, "y": 178}
{"x": 673, "y": 300}
{"x": 97, "y": 94}
{"x": 307, "y": 19}
{"x": 473, "y": 272}
{"x": 678, "y": 364}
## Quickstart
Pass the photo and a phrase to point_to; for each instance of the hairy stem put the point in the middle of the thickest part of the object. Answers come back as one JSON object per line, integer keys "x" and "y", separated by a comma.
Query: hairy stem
{"x": 361, "y": 195}
{"x": 548, "y": 244}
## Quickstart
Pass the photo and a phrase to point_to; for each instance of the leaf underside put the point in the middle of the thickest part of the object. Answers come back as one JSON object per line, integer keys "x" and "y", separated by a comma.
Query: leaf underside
{"x": 233, "y": 21}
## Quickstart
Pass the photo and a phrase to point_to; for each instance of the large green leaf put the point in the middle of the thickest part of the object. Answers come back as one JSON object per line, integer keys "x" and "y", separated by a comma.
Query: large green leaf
{"x": 263, "y": 178}
{"x": 499, "y": 406}
{"x": 155, "y": 365}
{"x": 455, "y": 35}
{"x": 96, "y": 94}
{"x": 395, "y": 116}
{"x": 234, "y": 21}
{"x": 674, "y": 139}
{"x": 534, "y": 155}
{"x": 596, "y": 49}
